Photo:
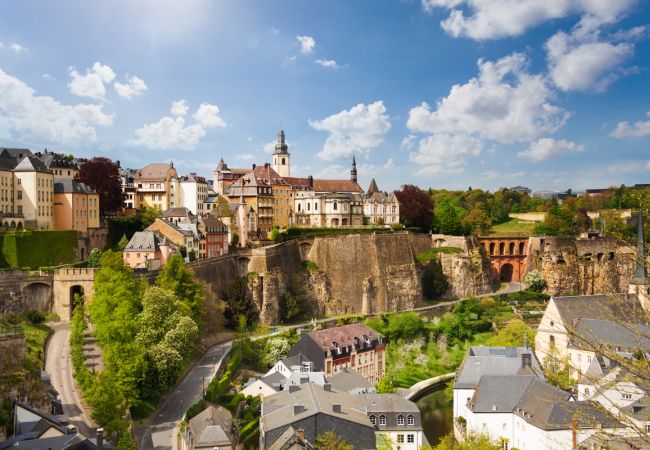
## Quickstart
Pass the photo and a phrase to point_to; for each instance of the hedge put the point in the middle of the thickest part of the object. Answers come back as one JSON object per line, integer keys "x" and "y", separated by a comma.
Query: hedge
{"x": 37, "y": 248}
{"x": 296, "y": 232}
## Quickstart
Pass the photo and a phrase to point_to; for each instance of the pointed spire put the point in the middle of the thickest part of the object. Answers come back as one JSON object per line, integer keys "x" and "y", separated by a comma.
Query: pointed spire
{"x": 353, "y": 172}
{"x": 641, "y": 273}
{"x": 281, "y": 146}
{"x": 373, "y": 187}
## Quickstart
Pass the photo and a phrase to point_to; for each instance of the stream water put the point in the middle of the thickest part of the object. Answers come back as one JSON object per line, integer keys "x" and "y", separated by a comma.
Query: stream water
{"x": 436, "y": 413}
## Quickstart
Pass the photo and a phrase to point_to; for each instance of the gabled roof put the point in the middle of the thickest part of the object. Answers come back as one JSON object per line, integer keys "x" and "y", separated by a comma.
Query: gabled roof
{"x": 622, "y": 307}
{"x": 372, "y": 188}
{"x": 349, "y": 380}
{"x": 593, "y": 333}
{"x": 154, "y": 172}
{"x": 7, "y": 162}
{"x": 18, "y": 153}
{"x": 504, "y": 361}
{"x": 178, "y": 212}
{"x": 142, "y": 241}
{"x": 322, "y": 185}
{"x": 343, "y": 335}
{"x": 212, "y": 427}
{"x": 266, "y": 173}
{"x": 72, "y": 186}
{"x": 389, "y": 403}
{"x": 31, "y": 164}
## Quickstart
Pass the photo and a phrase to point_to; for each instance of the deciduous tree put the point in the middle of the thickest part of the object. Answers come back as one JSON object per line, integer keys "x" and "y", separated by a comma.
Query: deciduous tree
{"x": 415, "y": 207}
{"x": 103, "y": 175}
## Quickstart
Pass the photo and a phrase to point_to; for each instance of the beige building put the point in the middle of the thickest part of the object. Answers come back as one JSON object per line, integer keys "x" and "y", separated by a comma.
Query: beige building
{"x": 380, "y": 208}
{"x": 60, "y": 165}
{"x": 176, "y": 234}
{"x": 7, "y": 197}
{"x": 146, "y": 250}
{"x": 157, "y": 186}
{"x": 76, "y": 206}
{"x": 328, "y": 210}
{"x": 34, "y": 190}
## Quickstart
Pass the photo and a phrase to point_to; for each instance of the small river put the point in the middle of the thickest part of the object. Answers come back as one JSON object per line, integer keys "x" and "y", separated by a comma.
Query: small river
{"x": 436, "y": 412}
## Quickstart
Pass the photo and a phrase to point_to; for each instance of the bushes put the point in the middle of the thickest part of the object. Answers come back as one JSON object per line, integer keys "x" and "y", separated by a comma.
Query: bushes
{"x": 34, "y": 249}
{"x": 432, "y": 254}
{"x": 295, "y": 232}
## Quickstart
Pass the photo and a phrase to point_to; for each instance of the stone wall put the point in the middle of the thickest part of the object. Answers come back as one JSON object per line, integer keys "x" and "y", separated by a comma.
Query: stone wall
{"x": 468, "y": 273}
{"x": 582, "y": 266}
{"x": 20, "y": 292}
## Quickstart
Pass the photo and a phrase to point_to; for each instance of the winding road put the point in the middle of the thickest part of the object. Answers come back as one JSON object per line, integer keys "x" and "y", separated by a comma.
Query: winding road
{"x": 161, "y": 433}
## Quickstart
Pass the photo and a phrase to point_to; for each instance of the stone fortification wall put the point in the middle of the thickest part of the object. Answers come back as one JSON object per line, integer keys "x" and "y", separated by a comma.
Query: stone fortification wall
{"x": 468, "y": 273}
{"x": 20, "y": 292}
{"x": 219, "y": 273}
{"x": 582, "y": 266}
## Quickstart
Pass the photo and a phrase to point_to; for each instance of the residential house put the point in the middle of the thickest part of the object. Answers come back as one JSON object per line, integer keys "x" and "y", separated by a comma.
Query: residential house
{"x": 215, "y": 234}
{"x": 60, "y": 165}
{"x": 295, "y": 363}
{"x": 280, "y": 190}
{"x": 264, "y": 386}
{"x": 316, "y": 410}
{"x": 129, "y": 188}
{"x": 34, "y": 189}
{"x": 380, "y": 208}
{"x": 157, "y": 186}
{"x": 7, "y": 191}
{"x": 193, "y": 192}
{"x": 258, "y": 195}
{"x": 180, "y": 234}
{"x": 239, "y": 223}
{"x": 147, "y": 250}
{"x": 212, "y": 428}
{"x": 396, "y": 420}
{"x": 76, "y": 206}
{"x": 224, "y": 177}
{"x": 350, "y": 381}
{"x": 355, "y": 346}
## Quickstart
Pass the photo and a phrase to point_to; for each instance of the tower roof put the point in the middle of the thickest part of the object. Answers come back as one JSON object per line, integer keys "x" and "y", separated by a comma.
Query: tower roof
{"x": 281, "y": 146}
{"x": 372, "y": 188}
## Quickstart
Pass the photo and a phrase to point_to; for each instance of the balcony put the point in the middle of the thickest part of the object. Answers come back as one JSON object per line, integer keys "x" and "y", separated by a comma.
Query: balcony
{"x": 146, "y": 189}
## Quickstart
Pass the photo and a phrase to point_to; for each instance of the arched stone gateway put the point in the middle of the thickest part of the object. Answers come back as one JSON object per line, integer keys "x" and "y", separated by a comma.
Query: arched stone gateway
{"x": 76, "y": 297}
{"x": 38, "y": 296}
{"x": 67, "y": 283}
{"x": 507, "y": 255}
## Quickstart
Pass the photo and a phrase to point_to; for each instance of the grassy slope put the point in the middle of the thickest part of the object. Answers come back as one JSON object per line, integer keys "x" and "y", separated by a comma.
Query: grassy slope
{"x": 515, "y": 227}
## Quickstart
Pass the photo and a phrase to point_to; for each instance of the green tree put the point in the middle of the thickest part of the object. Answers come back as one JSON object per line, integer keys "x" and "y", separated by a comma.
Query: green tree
{"x": 434, "y": 281}
{"x": 121, "y": 245}
{"x": 448, "y": 217}
{"x": 290, "y": 305}
{"x": 95, "y": 258}
{"x": 149, "y": 215}
{"x": 240, "y": 303}
{"x": 478, "y": 221}
{"x": 331, "y": 441}
{"x": 176, "y": 278}
{"x": 515, "y": 334}
{"x": 275, "y": 349}
{"x": 161, "y": 312}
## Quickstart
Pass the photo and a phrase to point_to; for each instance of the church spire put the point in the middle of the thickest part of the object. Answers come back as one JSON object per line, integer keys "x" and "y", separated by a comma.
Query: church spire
{"x": 281, "y": 146}
{"x": 353, "y": 172}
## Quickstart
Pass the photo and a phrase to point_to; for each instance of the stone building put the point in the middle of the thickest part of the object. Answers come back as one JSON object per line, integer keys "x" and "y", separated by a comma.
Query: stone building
{"x": 215, "y": 234}
{"x": 380, "y": 208}
{"x": 147, "y": 250}
{"x": 355, "y": 346}
{"x": 212, "y": 428}
{"x": 157, "y": 186}
{"x": 34, "y": 186}
{"x": 337, "y": 209}
{"x": 508, "y": 256}
{"x": 76, "y": 206}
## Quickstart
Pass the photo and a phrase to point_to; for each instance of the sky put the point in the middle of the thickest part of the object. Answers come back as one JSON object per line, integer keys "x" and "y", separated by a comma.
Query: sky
{"x": 548, "y": 94}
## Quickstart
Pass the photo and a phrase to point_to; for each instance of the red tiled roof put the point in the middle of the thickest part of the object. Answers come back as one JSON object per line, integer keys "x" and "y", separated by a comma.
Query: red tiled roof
{"x": 266, "y": 173}
{"x": 155, "y": 171}
{"x": 321, "y": 185}
{"x": 344, "y": 335}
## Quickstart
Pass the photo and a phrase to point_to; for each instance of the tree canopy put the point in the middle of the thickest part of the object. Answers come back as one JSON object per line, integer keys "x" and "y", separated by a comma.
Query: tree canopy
{"x": 103, "y": 175}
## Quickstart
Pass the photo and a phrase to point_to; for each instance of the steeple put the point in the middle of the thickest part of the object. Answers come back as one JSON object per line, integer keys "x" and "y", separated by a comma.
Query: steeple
{"x": 281, "y": 146}
{"x": 353, "y": 172}
{"x": 372, "y": 188}
{"x": 641, "y": 273}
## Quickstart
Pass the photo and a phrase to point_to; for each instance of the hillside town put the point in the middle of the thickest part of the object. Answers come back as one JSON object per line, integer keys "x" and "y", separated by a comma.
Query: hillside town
{"x": 325, "y": 225}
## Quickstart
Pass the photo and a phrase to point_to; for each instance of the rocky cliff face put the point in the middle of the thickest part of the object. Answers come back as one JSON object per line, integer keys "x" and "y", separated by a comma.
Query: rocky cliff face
{"x": 359, "y": 273}
{"x": 582, "y": 266}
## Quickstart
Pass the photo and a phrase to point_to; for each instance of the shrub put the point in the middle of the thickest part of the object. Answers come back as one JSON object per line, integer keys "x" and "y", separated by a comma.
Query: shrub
{"x": 309, "y": 265}
{"x": 535, "y": 281}
{"x": 432, "y": 253}
{"x": 36, "y": 316}
{"x": 27, "y": 249}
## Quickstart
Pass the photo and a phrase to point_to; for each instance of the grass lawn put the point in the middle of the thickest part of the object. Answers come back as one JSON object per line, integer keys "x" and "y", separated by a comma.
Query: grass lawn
{"x": 35, "y": 335}
{"x": 515, "y": 227}
{"x": 432, "y": 254}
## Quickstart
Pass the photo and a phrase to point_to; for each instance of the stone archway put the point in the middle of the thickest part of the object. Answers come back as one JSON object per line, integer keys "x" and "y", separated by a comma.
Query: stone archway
{"x": 38, "y": 296}
{"x": 505, "y": 273}
{"x": 76, "y": 297}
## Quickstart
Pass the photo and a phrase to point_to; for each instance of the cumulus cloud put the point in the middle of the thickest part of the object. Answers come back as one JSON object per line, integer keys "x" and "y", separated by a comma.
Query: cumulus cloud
{"x": 445, "y": 152}
{"x": 307, "y": 44}
{"x": 504, "y": 103}
{"x": 208, "y": 116}
{"x": 17, "y": 48}
{"x": 28, "y": 117}
{"x": 579, "y": 62}
{"x": 92, "y": 83}
{"x": 546, "y": 148}
{"x": 628, "y": 166}
{"x": 133, "y": 87}
{"x": 636, "y": 130}
{"x": 329, "y": 63}
{"x": 494, "y": 19}
{"x": 357, "y": 130}
{"x": 171, "y": 133}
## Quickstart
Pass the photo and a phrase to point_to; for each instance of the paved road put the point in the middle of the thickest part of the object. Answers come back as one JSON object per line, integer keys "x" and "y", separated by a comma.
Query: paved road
{"x": 160, "y": 434}
{"x": 59, "y": 367}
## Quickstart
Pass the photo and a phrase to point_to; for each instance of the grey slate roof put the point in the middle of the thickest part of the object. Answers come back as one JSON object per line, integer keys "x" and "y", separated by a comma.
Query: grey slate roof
{"x": 31, "y": 164}
{"x": 349, "y": 380}
{"x": 7, "y": 162}
{"x": 144, "y": 241}
{"x": 178, "y": 212}
{"x": 590, "y": 333}
{"x": 18, "y": 153}
{"x": 295, "y": 360}
{"x": 212, "y": 427}
{"x": 623, "y": 307}
{"x": 275, "y": 380}
{"x": 298, "y": 378}
{"x": 68, "y": 185}
{"x": 481, "y": 361}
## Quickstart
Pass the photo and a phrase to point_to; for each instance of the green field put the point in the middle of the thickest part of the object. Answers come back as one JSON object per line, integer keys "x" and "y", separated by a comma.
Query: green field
{"x": 515, "y": 227}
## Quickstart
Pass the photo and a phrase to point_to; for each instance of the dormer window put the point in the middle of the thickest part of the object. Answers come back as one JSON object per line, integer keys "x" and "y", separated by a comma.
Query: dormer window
{"x": 382, "y": 420}
{"x": 411, "y": 420}
{"x": 373, "y": 420}
{"x": 337, "y": 347}
{"x": 400, "y": 420}
{"x": 367, "y": 340}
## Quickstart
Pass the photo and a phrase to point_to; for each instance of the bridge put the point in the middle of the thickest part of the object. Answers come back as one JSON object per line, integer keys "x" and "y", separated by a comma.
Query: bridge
{"x": 507, "y": 256}
{"x": 422, "y": 388}
{"x": 22, "y": 291}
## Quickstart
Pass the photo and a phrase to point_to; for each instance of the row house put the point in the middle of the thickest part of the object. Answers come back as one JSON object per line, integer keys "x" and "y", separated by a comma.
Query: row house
{"x": 193, "y": 193}
{"x": 156, "y": 186}
{"x": 147, "y": 250}
{"x": 76, "y": 206}
{"x": 258, "y": 195}
{"x": 215, "y": 234}
{"x": 34, "y": 189}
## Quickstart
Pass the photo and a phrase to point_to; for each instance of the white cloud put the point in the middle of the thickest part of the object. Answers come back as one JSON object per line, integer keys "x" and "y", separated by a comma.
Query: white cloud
{"x": 179, "y": 108}
{"x": 47, "y": 76}
{"x": 17, "y": 48}
{"x": 208, "y": 116}
{"x": 445, "y": 152}
{"x": 546, "y": 148}
{"x": 245, "y": 157}
{"x": 173, "y": 132}
{"x": 504, "y": 103}
{"x": 333, "y": 171}
{"x": 628, "y": 166}
{"x": 307, "y": 44}
{"x": 1, "y": 45}
{"x": 91, "y": 84}
{"x": 133, "y": 87}
{"x": 357, "y": 130}
{"x": 579, "y": 63}
{"x": 389, "y": 164}
{"x": 28, "y": 117}
{"x": 408, "y": 142}
{"x": 493, "y": 19}
{"x": 329, "y": 63}
{"x": 638, "y": 129}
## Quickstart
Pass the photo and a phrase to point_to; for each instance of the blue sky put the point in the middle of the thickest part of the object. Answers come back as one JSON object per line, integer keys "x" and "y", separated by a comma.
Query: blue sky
{"x": 442, "y": 93}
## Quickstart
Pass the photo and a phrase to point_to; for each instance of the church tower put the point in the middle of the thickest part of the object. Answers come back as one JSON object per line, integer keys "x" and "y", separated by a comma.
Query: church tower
{"x": 353, "y": 172}
{"x": 640, "y": 285}
{"x": 281, "y": 157}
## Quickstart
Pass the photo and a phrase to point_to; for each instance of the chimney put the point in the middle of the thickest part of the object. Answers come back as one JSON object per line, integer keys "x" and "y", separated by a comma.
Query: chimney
{"x": 300, "y": 432}
{"x": 327, "y": 387}
{"x": 293, "y": 388}
{"x": 310, "y": 181}
{"x": 100, "y": 438}
{"x": 336, "y": 408}
{"x": 254, "y": 166}
{"x": 526, "y": 360}
{"x": 118, "y": 163}
{"x": 298, "y": 409}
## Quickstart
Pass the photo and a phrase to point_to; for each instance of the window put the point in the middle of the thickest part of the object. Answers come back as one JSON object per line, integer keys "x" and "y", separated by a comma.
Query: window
{"x": 400, "y": 438}
{"x": 647, "y": 428}
{"x": 373, "y": 420}
{"x": 400, "y": 420}
{"x": 20, "y": 195}
{"x": 626, "y": 396}
{"x": 382, "y": 420}
{"x": 411, "y": 420}
{"x": 336, "y": 206}
{"x": 410, "y": 438}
